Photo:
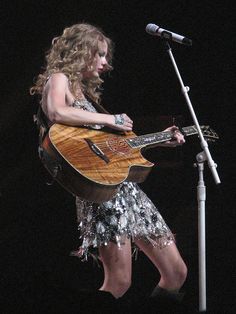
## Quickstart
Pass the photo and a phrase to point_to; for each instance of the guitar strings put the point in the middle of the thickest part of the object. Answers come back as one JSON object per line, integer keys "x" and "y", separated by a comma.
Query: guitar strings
{"x": 103, "y": 144}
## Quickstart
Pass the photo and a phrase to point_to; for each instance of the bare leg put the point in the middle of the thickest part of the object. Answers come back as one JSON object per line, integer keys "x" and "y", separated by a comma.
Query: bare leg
{"x": 168, "y": 261}
{"x": 117, "y": 268}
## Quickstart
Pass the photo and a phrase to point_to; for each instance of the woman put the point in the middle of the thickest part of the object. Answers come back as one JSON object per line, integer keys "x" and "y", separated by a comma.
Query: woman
{"x": 70, "y": 94}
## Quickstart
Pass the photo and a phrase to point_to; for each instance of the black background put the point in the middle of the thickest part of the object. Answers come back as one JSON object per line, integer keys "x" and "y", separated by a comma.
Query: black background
{"x": 38, "y": 223}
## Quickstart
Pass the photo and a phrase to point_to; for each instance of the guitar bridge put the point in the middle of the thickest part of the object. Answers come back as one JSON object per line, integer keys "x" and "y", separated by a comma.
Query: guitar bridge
{"x": 97, "y": 150}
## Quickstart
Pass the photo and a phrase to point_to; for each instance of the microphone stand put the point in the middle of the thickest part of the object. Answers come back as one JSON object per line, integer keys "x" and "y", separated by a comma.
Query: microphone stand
{"x": 201, "y": 189}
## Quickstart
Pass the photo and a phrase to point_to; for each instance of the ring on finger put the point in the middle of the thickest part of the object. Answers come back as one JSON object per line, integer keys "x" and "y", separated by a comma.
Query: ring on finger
{"x": 119, "y": 119}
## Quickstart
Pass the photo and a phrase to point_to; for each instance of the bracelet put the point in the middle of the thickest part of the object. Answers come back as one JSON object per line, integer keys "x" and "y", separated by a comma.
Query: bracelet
{"x": 119, "y": 119}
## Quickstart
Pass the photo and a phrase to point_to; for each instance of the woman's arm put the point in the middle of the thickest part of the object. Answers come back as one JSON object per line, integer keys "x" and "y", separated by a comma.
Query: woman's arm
{"x": 55, "y": 107}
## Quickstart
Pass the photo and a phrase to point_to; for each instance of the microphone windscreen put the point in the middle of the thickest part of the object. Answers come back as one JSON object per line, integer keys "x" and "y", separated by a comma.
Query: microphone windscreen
{"x": 151, "y": 29}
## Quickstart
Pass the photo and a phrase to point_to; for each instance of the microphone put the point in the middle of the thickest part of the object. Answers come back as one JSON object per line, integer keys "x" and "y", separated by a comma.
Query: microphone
{"x": 156, "y": 30}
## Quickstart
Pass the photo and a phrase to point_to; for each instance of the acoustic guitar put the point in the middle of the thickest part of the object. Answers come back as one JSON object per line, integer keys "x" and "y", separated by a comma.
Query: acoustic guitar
{"x": 93, "y": 163}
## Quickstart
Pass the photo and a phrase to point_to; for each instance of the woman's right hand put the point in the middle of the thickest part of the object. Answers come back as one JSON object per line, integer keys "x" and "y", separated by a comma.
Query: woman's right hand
{"x": 120, "y": 122}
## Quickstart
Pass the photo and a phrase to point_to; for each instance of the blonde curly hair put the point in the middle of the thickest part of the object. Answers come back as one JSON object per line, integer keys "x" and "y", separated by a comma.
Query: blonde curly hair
{"x": 72, "y": 53}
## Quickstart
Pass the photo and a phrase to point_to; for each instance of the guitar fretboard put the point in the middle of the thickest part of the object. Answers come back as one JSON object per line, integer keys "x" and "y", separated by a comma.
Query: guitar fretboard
{"x": 159, "y": 137}
{"x": 191, "y": 130}
{"x": 149, "y": 139}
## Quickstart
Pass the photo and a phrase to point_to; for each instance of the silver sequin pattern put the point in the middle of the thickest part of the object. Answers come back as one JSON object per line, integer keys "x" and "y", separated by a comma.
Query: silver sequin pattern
{"x": 130, "y": 214}
{"x": 84, "y": 104}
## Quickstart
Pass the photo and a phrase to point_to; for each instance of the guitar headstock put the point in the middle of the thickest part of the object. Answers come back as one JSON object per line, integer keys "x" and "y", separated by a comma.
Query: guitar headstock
{"x": 208, "y": 133}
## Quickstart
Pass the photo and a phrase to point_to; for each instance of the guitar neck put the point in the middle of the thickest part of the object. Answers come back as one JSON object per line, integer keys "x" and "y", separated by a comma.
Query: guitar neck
{"x": 159, "y": 137}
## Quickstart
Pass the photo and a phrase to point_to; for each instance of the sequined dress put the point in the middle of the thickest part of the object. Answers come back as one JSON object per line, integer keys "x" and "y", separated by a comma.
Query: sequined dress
{"x": 129, "y": 214}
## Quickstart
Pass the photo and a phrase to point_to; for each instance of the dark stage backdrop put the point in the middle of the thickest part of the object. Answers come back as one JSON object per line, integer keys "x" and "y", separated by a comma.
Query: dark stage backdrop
{"x": 38, "y": 222}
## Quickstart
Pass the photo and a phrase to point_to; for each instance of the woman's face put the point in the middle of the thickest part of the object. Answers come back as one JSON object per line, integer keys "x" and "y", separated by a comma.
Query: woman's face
{"x": 99, "y": 63}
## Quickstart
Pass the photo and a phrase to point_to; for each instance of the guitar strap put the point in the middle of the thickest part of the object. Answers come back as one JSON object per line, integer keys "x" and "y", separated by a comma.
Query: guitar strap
{"x": 42, "y": 124}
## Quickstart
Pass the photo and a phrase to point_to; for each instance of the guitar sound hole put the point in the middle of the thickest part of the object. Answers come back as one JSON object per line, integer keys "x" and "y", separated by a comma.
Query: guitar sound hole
{"x": 118, "y": 145}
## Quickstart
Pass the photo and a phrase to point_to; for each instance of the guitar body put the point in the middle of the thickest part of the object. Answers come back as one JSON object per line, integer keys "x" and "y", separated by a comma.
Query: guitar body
{"x": 92, "y": 163}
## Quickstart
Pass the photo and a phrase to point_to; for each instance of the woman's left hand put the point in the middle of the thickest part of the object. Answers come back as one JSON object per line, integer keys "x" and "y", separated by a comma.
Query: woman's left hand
{"x": 178, "y": 138}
